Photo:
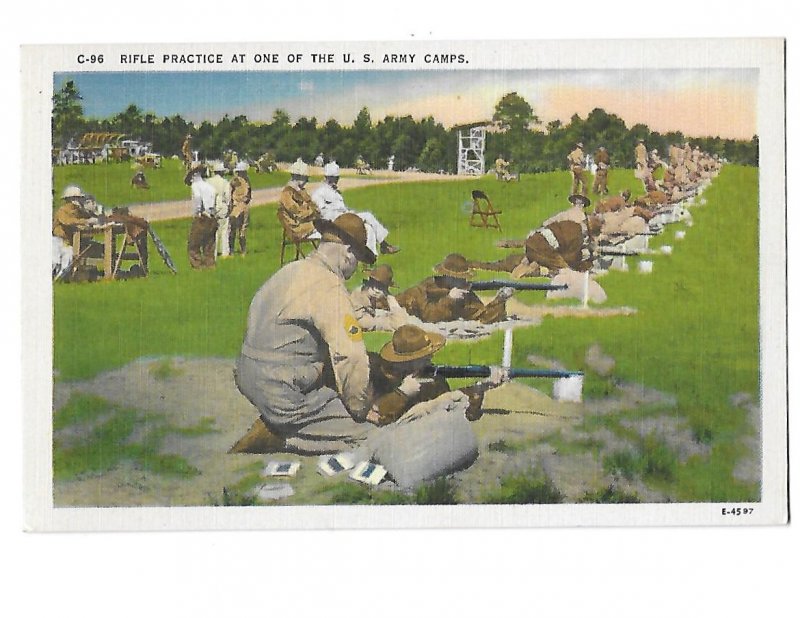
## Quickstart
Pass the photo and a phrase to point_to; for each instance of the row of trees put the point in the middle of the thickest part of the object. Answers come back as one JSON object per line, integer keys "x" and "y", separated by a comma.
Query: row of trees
{"x": 425, "y": 144}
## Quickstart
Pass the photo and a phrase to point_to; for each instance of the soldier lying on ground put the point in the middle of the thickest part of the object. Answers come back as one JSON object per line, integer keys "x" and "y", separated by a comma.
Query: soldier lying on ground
{"x": 375, "y": 306}
{"x": 397, "y": 381}
{"x": 447, "y": 296}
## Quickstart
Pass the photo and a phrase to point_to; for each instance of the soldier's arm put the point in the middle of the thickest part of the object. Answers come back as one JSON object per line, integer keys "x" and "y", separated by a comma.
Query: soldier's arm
{"x": 492, "y": 312}
{"x": 341, "y": 331}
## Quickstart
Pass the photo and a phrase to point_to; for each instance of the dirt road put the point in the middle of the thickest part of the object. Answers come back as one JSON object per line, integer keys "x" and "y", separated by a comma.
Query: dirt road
{"x": 181, "y": 209}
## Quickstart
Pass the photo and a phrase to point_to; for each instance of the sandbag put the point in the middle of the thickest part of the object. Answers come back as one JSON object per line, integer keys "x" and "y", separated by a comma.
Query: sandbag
{"x": 432, "y": 439}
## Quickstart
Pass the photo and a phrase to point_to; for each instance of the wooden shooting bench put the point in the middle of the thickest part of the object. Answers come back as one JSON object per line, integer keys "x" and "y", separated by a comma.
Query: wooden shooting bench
{"x": 111, "y": 259}
{"x": 483, "y": 212}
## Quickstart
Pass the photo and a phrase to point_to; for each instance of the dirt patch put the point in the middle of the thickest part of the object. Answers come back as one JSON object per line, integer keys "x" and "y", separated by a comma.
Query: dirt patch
{"x": 522, "y": 431}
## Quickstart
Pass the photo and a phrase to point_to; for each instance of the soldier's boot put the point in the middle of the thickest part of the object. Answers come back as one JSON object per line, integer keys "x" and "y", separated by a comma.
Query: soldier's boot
{"x": 259, "y": 439}
{"x": 386, "y": 248}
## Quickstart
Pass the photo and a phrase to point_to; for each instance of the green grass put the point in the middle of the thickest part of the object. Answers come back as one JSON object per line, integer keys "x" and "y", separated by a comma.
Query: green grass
{"x": 695, "y": 334}
{"x": 105, "y": 440}
{"x": 110, "y": 183}
{"x": 529, "y": 488}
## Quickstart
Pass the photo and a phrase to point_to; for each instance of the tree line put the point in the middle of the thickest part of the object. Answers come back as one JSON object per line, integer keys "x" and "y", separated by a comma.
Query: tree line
{"x": 517, "y": 134}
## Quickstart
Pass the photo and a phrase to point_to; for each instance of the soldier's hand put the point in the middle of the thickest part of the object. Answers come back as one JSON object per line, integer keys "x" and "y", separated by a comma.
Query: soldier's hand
{"x": 505, "y": 293}
{"x": 373, "y": 417}
{"x": 457, "y": 293}
{"x": 410, "y": 386}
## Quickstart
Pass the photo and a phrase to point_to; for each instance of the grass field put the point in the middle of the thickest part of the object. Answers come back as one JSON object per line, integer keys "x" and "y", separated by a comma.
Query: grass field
{"x": 110, "y": 183}
{"x": 695, "y": 334}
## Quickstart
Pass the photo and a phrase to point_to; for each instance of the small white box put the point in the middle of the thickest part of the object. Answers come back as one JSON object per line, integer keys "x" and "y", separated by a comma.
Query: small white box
{"x": 666, "y": 249}
{"x": 645, "y": 267}
{"x": 331, "y": 465}
{"x": 680, "y": 234}
{"x": 281, "y": 468}
{"x": 368, "y": 473}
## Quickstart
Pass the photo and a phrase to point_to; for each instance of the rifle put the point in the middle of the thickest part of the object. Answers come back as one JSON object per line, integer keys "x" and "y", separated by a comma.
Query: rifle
{"x": 496, "y": 284}
{"x": 483, "y": 371}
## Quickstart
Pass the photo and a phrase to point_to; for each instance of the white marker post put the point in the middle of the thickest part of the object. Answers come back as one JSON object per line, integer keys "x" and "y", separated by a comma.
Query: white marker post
{"x": 508, "y": 345}
{"x": 585, "y": 292}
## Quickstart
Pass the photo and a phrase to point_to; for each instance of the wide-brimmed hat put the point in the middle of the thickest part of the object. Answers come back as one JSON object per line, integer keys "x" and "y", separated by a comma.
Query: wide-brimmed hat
{"x": 579, "y": 200}
{"x": 455, "y": 265}
{"x": 219, "y": 167}
{"x": 195, "y": 169}
{"x": 299, "y": 168}
{"x": 382, "y": 276}
{"x": 331, "y": 170}
{"x": 349, "y": 228}
{"x": 241, "y": 166}
{"x": 579, "y": 144}
{"x": 72, "y": 192}
{"x": 410, "y": 343}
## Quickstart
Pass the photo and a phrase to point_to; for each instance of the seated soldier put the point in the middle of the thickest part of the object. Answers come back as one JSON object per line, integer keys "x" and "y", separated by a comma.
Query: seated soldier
{"x": 296, "y": 210}
{"x": 72, "y": 217}
{"x": 615, "y": 202}
{"x": 139, "y": 181}
{"x": 375, "y": 307}
{"x": 446, "y": 296}
{"x": 397, "y": 382}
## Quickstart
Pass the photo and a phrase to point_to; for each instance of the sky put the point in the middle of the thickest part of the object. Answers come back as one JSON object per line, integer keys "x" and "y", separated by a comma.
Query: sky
{"x": 698, "y": 102}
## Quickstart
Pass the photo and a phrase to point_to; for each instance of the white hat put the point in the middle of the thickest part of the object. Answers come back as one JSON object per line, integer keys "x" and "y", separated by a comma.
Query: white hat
{"x": 241, "y": 166}
{"x": 72, "y": 191}
{"x": 219, "y": 167}
{"x": 299, "y": 168}
{"x": 331, "y": 169}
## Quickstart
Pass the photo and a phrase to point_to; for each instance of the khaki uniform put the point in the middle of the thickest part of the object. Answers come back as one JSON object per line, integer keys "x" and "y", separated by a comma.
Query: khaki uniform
{"x": 390, "y": 404}
{"x": 624, "y": 223}
{"x": 603, "y": 161}
{"x": 575, "y": 159}
{"x": 429, "y": 301}
{"x": 653, "y": 198}
{"x": 575, "y": 213}
{"x": 68, "y": 219}
{"x": 641, "y": 155}
{"x": 297, "y": 211}
{"x": 241, "y": 194}
{"x": 611, "y": 204}
{"x": 303, "y": 362}
{"x": 563, "y": 244}
{"x": 186, "y": 151}
{"x": 378, "y": 314}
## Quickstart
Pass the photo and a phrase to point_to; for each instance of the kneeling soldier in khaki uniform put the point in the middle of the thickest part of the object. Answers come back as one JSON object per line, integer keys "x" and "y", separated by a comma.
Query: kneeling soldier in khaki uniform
{"x": 303, "y": 362}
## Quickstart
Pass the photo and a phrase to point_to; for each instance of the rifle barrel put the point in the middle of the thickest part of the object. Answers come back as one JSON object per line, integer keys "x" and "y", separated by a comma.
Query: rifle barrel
{"x": 496, "y": 284}
{"x": 483, "y": 371}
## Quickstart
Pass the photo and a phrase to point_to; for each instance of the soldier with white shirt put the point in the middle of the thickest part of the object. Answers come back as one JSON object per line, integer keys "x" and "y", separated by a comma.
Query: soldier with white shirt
{"x": 202, "y": 234}
{"x": 331, "y": 204}
{"x": 222, "y": 207}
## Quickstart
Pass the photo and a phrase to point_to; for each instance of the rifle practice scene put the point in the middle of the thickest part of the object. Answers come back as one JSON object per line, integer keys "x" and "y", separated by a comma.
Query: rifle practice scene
{"x": 444, "y": 296}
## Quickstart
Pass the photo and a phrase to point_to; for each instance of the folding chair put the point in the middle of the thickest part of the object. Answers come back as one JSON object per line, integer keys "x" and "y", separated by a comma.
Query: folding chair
{"x": 290, "y": 237}
{"x": 484, "y": 215}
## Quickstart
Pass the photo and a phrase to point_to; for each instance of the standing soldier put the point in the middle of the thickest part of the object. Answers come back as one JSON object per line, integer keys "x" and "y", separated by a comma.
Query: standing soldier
{"x": 603, "y": 161}
{"x": 241, "y": 194}
{"x": 204, "y": 224}
{"x": 186, "y": 151}
{"x": 576, "y": 161}
{"x": 223, "y": 209}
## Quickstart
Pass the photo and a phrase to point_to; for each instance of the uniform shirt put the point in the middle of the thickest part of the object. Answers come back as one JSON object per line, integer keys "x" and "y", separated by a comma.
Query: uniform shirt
{"x": 68, "y": 219}
{"x": 204, "y": 198}
{"x": 186, "y": 150}
{"x": 390, "y": 403}
{"x": 601, "y": 156}
{"x": 329, "y": 202}
{"x": 575, "y": 213}
{"x": 241, "y": 194}
{"x": 575, "y": 157}
{"x": 378, "y": 314}
{"x": 430, "y": 302}
{"x": 302, "y": 318}
{"x": 641, "y": 154}
{"x": 223, "y": 190}
{"x": 615, "y": 202}
{"x": 297, "y": 210}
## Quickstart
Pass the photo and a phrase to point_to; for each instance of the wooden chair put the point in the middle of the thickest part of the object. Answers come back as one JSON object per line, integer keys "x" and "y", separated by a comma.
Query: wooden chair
{"x": 290, "y": 237}
{"x": 483, "y": 213}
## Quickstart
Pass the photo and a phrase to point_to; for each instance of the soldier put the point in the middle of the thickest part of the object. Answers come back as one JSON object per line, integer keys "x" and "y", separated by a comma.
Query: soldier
{"x": 613, "y": 203}
{"x": 320, "y": 160}
{"x": 202, "y": 234}
{"x": 223, "y": 209}
{"x": 501, "y": 167}
{"x": 70, "y": 218}
{"x": 446, "y": 296}
{"x": 576, "y": 162}
{"x": 397, "y": 383}
{"x": 139, "y": 181}
{"x": 563, "y": 244}
{"x": 241, "y": 194}
{"x": 603, "y": 161}
{"x": 331, "y": 204}
{"x": 296, "y": 210}
{"x": 576, "y": 213}
{"x": 186, "y": 151}
{"x": 303, "y": 363}
{"x": 375, "y": 306}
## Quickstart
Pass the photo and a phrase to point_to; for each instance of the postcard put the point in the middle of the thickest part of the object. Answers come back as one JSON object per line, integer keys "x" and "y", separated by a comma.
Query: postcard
{"x": 542, "y": 283}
